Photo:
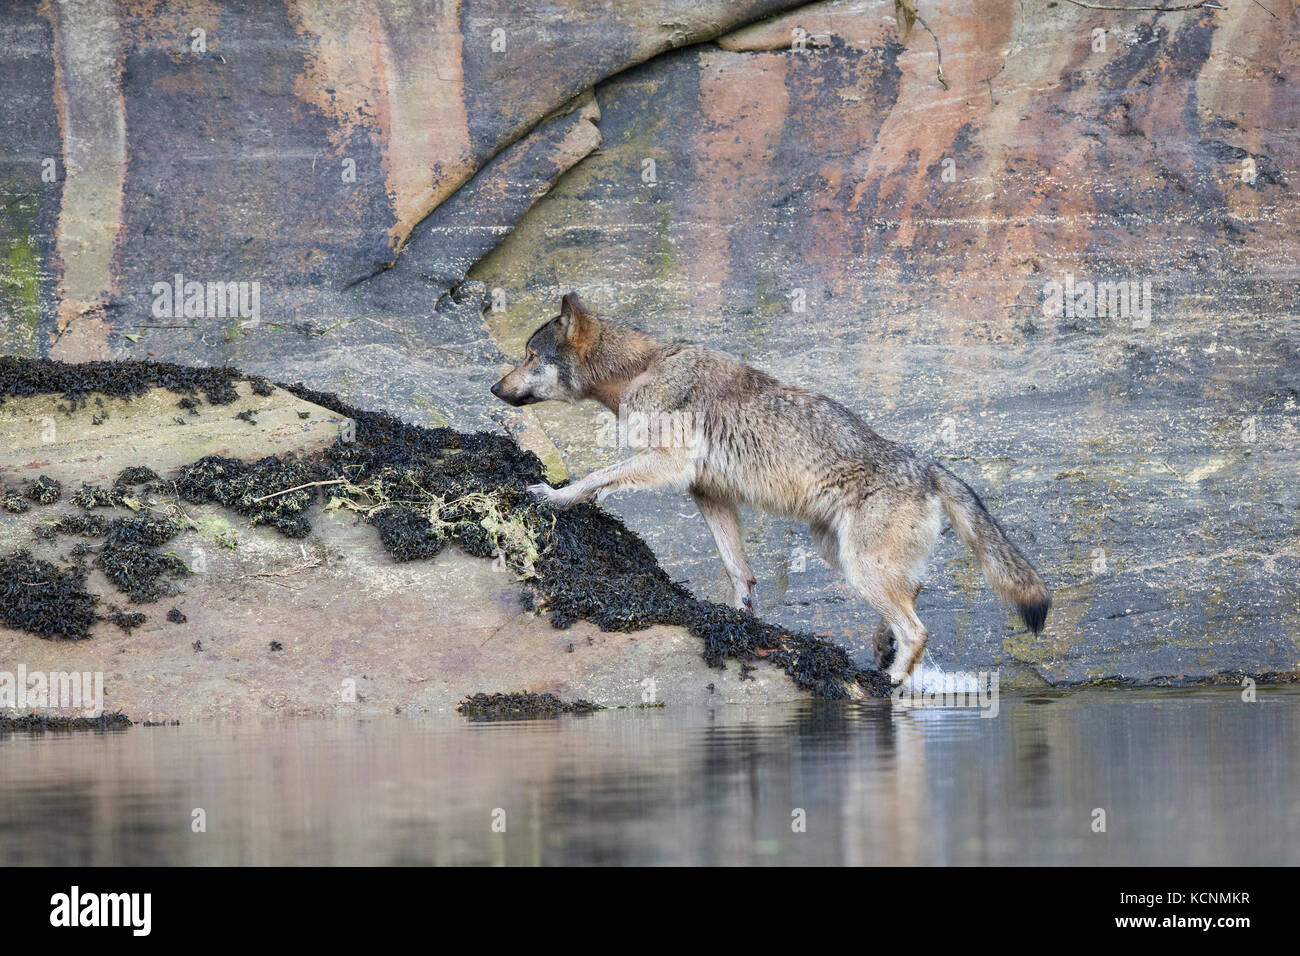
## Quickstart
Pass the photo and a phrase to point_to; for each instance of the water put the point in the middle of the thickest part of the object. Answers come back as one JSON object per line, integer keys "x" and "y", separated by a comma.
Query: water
{"x": 1184, "y": 777}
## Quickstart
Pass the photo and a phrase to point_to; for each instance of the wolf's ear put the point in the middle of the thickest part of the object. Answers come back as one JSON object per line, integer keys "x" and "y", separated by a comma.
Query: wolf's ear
{"x": 575, "y": 320}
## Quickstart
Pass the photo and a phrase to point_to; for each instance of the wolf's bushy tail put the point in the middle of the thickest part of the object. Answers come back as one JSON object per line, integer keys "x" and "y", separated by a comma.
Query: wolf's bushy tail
{"x": 1012, "y": 576}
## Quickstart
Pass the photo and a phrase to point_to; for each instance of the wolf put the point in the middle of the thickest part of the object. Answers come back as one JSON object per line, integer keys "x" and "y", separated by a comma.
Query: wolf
{"x": 736, "y": 436}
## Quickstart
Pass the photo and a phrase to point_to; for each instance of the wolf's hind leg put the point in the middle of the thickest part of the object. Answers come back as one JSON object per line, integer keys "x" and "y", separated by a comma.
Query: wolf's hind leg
{"x": 723, "y": 520}
{"x": 883, "y": 547}
{"x": 895, "y": 603}
{"x": 883, "y": 644}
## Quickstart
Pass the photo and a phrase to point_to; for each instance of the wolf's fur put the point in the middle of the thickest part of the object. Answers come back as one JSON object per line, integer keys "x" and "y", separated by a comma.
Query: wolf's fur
{"x": 874, "y": 508}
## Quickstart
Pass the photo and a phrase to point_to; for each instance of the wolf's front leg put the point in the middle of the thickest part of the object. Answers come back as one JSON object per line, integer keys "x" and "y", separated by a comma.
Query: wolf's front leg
{"x": 723, "y": 520}
{"x": 654, "y": 467}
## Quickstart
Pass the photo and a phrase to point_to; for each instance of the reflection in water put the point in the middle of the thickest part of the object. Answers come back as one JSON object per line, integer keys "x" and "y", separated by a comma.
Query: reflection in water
{"x": 1184, "y": 778}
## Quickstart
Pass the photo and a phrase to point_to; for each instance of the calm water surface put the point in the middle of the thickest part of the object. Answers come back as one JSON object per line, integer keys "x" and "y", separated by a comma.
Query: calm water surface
{"x": 1183, "y": 777}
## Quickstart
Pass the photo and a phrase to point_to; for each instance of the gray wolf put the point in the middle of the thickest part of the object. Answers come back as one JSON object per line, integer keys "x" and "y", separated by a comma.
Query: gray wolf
{"x": 739, "y": 437}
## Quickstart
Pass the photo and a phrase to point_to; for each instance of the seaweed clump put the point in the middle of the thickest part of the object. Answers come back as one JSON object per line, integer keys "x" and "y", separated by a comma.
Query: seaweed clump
{"x": 408, "y": 534}
{"x": 43, "y": 491}
{"x": 40, "y": 491}
{"x": 128, "y": 557}
{"x": 267, "y": 491}
{"x": 83, "y": 525}
{"x": 120, "y": 379}
{"x": 520, "y": 706}
{"x": 423, "y": 488}
{"x": 93, "y": 496}
{"x": 46, "y": 600}
{"x": 134, "y": 475}
{"x": 127, "y": 620}
{"x": 130, "y": 560}
{"x": 115, "y": 720}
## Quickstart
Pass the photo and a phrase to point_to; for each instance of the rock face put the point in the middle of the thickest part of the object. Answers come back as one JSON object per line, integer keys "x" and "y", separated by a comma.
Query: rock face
{"x": 922, "y": 227}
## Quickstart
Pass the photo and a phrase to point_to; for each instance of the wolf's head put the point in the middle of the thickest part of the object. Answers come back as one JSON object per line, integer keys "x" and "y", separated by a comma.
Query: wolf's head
{"x": 553, "y": 359}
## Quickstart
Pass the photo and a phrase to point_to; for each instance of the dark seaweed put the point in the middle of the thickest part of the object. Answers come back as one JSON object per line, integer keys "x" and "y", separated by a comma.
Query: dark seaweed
{"x": 38, "y": 597}
{"x": 135, "y": 475}
{"x": 520, "y": 706}
{"x": 238, "y": 485}
{"x": 43, "y": 491}
{"x": 407, "y": 534}
{"x": 176, "y": 616}
{"x": 93, "y": 496}
{"x": 126, "y": 620}
{"x": 124, "y": 379}
{"x": 43, "y": 722}
{"x": 130, "y": 560}
{"x": 83, "y": 525}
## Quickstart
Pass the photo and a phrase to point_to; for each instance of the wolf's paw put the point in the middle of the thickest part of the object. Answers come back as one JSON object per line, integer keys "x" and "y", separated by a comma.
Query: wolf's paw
{"x": 554, "y": 497}
{"x": 542, "y": 491}
{"x": 898, "y": 671}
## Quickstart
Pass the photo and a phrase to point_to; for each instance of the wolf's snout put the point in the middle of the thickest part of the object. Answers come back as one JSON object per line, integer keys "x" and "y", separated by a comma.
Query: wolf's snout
{"x": 509, "y": 397}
